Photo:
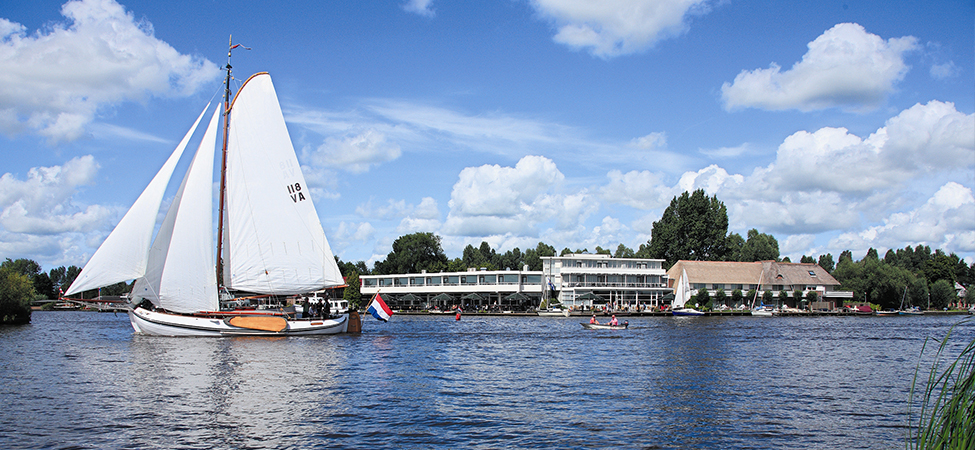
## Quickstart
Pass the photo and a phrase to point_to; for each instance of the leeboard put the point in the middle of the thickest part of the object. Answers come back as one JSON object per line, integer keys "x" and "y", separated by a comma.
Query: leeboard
{"x": 263, "y": 323}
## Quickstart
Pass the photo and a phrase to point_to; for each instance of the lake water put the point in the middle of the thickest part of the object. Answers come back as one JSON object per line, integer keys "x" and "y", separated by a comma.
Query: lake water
{"x": 80, "y": 380}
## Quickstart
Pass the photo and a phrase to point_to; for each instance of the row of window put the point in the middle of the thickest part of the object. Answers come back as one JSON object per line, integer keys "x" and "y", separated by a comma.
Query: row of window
{"x": 453, "y": 280}
{"x": 748, "y": 287}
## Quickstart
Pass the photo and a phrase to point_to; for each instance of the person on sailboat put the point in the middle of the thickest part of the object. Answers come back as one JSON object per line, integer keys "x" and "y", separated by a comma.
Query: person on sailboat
{"x": 593, "y": 320}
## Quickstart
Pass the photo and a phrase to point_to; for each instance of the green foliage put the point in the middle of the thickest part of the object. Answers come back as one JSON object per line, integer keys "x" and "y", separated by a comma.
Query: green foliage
{"x": 942, "y": 294}
{"x": 413, "y": 253}
{"x": 759, "y": 247}
{"x": 767, "y": 297}
{"x": 917, "y": 293}
{"x": 702, "y": 298}
{"x": 737, "y": 297}
{"x": 946, "y": 408}
{"x": 623, "y": 251}
{"x": 783, "y": 296}
{"x": 352, "y": 291}
{"x": 694, "y": 227}
{"x": 733, "y": 245}
{"x": 16, "y": 294}
{"x": 812, "y": 296}
{"x": 826, "y": 262}
{"x": 720, "y": 297}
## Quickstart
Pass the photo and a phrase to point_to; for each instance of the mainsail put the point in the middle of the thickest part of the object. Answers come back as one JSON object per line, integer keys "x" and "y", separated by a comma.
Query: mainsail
{"x": 122, "y": 257}
{"x": 274, "y": 241}
{"x": 683, "y": 292}
{"x": 180, "y": 275}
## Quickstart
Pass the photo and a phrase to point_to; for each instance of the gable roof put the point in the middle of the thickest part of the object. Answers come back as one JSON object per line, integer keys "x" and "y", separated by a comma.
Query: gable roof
{"x": 770, "y": 272}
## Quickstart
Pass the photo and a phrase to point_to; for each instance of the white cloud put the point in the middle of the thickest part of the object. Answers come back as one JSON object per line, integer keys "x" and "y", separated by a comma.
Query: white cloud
{"x": 38, "y": 218}
{"x": 355, "y": 154}
{"x": 55, "y": 81}
{"x": 494, "y": 200}
{"x": 944, "y": 221}
{"x": 394, "y": 209}
{"x": 360, "y": 232}
{"x": 617, "y": 27}
{"x": 944, "y": 71}
{"x": 421, "y": 7}
{"x": 845, "y": 67}
{"x": 642, "y": 190}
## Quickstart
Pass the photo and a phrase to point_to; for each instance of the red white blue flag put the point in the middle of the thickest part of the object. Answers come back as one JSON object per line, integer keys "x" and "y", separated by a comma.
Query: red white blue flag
{"x": 379, "y": 309}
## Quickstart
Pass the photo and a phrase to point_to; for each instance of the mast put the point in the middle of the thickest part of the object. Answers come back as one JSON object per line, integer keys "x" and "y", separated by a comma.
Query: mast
{"x": 223, "y": 165}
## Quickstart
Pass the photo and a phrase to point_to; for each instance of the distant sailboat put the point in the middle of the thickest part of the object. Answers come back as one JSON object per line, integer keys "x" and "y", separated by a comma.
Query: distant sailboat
{"x": 272, "y": 244}
{"x": 681, "y": 296}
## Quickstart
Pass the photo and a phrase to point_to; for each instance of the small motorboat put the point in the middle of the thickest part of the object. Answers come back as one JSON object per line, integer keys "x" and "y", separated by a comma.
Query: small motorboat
{"x": 604, "y": 326}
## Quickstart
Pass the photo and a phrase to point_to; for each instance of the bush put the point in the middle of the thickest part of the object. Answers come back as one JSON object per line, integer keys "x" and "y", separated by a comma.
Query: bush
{"x": 16, "y": 293}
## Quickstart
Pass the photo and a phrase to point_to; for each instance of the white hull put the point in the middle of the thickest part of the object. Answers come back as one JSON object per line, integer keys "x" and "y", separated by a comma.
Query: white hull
{"x": 762, "y": 312}
{"x": 553, "y": 313}
{"x": 687, "y": 312}
{"x": 156, "y": 323}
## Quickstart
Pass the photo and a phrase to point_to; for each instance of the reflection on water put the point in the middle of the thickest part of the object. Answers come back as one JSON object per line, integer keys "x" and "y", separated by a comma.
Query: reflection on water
{"x": 83, "y": 380}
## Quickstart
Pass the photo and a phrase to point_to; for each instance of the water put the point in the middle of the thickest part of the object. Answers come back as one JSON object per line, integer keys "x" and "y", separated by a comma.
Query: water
{"x": 76, "y": 380}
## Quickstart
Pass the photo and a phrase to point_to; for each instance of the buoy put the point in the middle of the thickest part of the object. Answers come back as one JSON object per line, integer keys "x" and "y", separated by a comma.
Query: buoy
{"x": 458, "y": 315}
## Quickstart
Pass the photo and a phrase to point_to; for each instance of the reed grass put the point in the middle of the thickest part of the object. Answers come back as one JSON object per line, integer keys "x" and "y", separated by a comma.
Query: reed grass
{"x": 946, "y": 408}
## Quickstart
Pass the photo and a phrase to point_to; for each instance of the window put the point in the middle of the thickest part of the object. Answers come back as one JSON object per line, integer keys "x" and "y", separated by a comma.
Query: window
{"x": 812, "y": 273}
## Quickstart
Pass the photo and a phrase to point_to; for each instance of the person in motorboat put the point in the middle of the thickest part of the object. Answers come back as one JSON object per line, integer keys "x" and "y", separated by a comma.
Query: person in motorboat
{"x": 593, "y": 320}
{"x": 613, "y": 321}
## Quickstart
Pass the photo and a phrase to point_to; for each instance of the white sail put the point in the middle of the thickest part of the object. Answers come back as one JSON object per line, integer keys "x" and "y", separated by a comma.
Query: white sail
{"x": 683, "y": 292}
{"x": 274, "y": 241}
{"x": 122, "y": 256}
{"x": 180, "y": 275}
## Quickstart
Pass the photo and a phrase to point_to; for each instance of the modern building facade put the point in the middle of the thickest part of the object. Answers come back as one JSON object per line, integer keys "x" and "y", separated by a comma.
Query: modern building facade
{"x": 583, "y": 281}
{"x": 504, "y": 290}
{"x": 762, "y": 276}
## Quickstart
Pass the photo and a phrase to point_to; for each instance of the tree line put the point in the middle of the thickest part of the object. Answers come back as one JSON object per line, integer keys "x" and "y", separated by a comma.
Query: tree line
{"x": 695, "y": 227}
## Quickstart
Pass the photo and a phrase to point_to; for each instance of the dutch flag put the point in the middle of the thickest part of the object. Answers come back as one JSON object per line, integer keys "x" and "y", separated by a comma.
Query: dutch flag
{"x": 379, "y": 310}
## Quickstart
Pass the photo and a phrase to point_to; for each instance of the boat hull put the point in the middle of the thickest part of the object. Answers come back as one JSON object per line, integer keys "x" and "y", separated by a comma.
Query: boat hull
{"x": 553, "y": 313}
{"x": 155, "y": 323}
{"x": 687, "y": 312}
{"x": 604, "y": 326}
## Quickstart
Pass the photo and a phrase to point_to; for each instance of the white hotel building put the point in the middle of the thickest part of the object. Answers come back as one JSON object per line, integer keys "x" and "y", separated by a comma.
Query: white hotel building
{"x": 580, "y": 280}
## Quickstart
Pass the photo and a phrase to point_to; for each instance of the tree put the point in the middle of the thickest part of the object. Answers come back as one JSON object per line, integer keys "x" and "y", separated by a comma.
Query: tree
{"x": 733, "y": 245}
{"x": 783, "y": 297}
{"x": 16, "y": 294}
{"x": 720, "y": 297}
{"x": 694, "y": 227}
{"x": 736, "y": 297}
{"x": 533, "y": 257}
{"x": 760, "y": 247}
{"x": 807, "y": 260}
{"x": 413, "y": 253}
{"x": 353, "y": 290}
{"x": 623, "y": 252}
{"x": 702, "y": 298}
{"x": 917, "y": 293}
{"x": 942, "y": 294}
{"x": 826, "y": 262}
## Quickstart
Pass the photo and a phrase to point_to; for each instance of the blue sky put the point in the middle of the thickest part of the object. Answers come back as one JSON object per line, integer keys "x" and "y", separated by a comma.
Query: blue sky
{"x": 831, "y": 125}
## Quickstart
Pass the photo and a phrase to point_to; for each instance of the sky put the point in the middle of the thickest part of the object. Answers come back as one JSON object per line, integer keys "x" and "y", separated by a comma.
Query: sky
{"x": 831, "y": 125}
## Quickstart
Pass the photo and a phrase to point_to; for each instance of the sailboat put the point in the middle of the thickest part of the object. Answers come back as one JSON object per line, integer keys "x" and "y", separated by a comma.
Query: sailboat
{"x": 681, "y": 297}
{"x": 760, "y": 311}
{"x": 270, "y": 240}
